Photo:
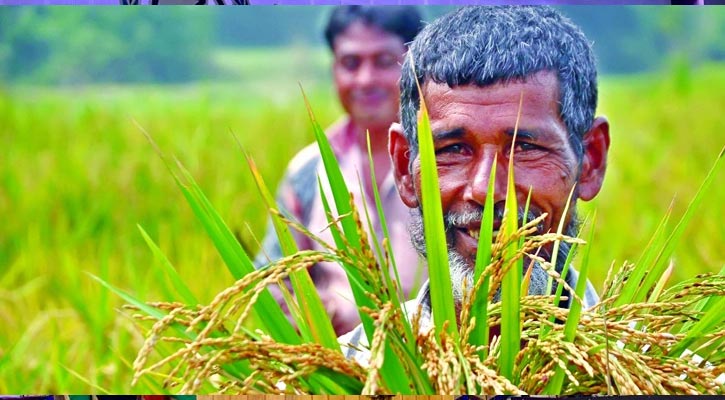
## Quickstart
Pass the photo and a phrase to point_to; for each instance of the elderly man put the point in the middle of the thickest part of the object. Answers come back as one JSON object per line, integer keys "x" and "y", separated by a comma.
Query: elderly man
{"x": 474, "y": 65}
{"x": 368, "y": 44}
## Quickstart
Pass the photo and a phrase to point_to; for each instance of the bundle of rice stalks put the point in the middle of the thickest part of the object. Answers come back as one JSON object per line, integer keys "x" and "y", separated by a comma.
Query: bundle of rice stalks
{"x": 640, "y": 339}
{"x": 635, "y": 348}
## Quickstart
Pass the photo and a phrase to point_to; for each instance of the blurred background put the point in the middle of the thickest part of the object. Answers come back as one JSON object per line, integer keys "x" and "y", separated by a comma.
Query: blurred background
{"x": 77, "y": 177}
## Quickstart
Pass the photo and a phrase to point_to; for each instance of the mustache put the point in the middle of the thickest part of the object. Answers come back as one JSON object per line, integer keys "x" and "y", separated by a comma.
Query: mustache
{"x": 417, "y": 235}
{"x": 462, "y": 218}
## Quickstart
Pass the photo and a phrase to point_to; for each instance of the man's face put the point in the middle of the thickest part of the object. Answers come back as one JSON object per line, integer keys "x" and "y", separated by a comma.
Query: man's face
{"x": 366, "y": 70}
{"x": 474, "y": 125}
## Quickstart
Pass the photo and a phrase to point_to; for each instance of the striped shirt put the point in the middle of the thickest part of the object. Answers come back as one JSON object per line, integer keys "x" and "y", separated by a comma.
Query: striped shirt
{"x": 299, "y": 199}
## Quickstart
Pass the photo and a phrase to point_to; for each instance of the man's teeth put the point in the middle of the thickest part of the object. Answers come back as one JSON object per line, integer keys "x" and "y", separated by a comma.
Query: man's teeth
{"x": 475, "y": 233}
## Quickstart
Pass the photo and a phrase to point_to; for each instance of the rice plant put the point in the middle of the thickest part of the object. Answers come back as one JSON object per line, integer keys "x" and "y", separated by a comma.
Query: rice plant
{"x": 642, "y": 338}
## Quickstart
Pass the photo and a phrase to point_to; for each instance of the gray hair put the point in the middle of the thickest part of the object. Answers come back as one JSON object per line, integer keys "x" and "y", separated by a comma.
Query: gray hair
{"x": 488, "y": 45}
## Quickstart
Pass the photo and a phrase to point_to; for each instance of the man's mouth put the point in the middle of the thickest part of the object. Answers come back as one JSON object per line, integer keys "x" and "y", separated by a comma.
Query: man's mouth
{"x": 475, "y": 233}
{"x": 474, "y": 229}
{"x": 370, "y": 96}
{"x": 464, "y": 228}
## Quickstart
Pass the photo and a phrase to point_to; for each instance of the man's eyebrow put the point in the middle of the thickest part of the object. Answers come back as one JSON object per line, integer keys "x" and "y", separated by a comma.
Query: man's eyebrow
{"x": 454, "y": 133}
{"x": 524, "y": 134}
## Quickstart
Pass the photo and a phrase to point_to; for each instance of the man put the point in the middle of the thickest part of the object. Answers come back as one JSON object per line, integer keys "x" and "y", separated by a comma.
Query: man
{"x": 473, "y": 66}
{"x": 368, "y": 44}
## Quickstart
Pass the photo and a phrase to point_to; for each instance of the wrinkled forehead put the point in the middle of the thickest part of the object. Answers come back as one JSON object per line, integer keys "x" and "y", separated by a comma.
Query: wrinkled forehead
{"x": 545, "y": 78}
{"x": 539, "y": 88}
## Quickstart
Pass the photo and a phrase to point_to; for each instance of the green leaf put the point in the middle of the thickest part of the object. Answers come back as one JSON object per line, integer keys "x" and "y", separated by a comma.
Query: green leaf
{"x": 342, "y": 198}
{"x": 176, "y": 280}
{"x": 237, "y": 261}
{"x": 397, "y": 296}
{"x": 235, "y": 258}
{"x": 711, "y": 321}
{"x": 564, "y": 271}
{"x": 148, "y": 310}
{"x": 630, "y": 287}
{"x": 236, "y": 369}
{"x": 704, "y": 305}
{"x": 479, "y": 308}
{"x": 557, "y": 244}
{"x": 390, "y": 371}
{"x": 575, "y": 308}
{"x": 315, "y": 319}
{"x": 441, "y": 294}
{"x": 660, "y": 262}
{"x": 527, "y": 277}
{"x": 511, "y": 282}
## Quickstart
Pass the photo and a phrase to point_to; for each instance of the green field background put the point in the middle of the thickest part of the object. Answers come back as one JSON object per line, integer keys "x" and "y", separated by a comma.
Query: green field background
{"x": 77, "y": 177}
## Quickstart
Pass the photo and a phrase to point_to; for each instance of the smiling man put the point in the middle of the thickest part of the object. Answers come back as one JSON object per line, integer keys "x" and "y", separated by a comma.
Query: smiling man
{"x": 368, "y": 44}
{"x": 475, "y": 65}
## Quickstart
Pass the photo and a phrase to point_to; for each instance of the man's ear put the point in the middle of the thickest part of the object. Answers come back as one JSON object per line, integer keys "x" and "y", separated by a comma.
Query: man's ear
{"x": 400, "y": 155}
{"x": 594, "y": 161}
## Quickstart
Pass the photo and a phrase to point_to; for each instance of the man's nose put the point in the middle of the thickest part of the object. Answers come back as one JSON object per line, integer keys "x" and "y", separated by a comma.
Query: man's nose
{"x": 365, "y": 74}
{"x": 480, "y": 177}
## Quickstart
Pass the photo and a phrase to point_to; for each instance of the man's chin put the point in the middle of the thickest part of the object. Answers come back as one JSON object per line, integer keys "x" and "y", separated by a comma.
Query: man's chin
{"x": 462, "y": 274}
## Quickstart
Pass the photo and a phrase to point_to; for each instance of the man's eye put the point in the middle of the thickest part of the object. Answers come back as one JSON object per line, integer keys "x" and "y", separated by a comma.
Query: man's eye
{"x": 384, "y": 61}
{"x": 524, "y": 146}
{"x": 451, "y": 149}
{"x": 350, "y": 63}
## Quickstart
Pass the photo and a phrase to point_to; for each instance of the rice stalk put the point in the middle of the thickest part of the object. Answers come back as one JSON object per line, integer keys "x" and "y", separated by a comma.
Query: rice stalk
{"x": 637, "y": 361}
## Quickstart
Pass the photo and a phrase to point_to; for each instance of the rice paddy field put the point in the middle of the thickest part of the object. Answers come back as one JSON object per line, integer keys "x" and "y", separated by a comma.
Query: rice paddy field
{"x": 77, "y": 178}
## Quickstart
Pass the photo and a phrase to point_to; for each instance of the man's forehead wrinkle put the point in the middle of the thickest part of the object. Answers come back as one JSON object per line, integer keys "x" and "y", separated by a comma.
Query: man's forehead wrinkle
{"x": 541, "y": 88}
{"x": 546, "y": 88}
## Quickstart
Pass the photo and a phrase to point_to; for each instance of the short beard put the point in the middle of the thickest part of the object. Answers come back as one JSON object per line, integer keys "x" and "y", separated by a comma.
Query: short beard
{"x": 462, "y": 271}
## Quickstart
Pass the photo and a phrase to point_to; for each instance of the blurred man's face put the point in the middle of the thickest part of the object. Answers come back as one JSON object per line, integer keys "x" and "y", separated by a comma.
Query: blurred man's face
{"x": 366, "y": 71}
{"x": 473, "y": 126}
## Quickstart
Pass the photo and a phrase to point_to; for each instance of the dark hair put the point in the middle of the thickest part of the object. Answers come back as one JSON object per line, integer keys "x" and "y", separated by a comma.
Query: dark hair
{"x": 402, "y": 21}
{"x": 488, "y": 45}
